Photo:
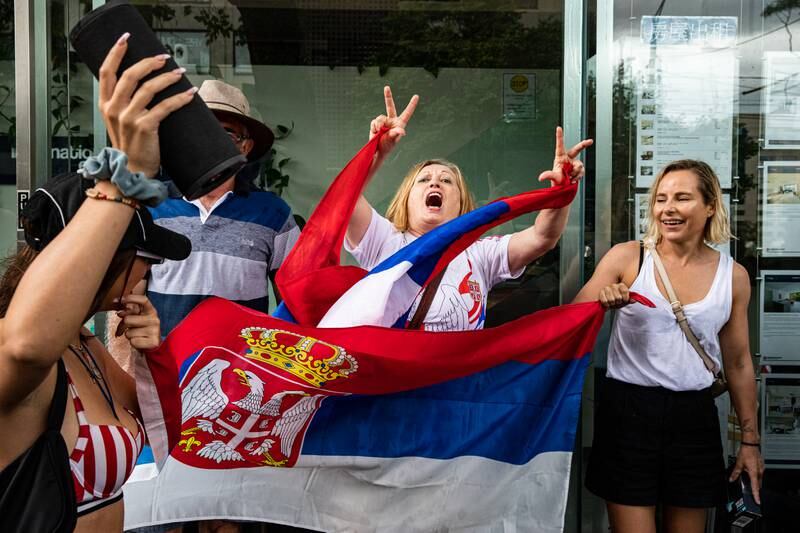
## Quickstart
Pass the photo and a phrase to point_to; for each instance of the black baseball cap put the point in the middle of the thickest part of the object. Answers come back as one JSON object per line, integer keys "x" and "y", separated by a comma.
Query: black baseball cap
{"x": 52, "y": 206}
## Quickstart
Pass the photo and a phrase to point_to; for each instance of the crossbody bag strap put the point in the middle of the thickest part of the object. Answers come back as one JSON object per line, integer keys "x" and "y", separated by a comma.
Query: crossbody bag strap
{"x": 677, "y": 309}
{"x": 641, "y": 257}
{"x": 426, "y": 301}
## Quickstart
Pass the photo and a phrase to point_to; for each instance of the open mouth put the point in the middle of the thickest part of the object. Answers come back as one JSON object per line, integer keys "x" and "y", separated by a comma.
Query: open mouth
{"x": 433, "y": 199}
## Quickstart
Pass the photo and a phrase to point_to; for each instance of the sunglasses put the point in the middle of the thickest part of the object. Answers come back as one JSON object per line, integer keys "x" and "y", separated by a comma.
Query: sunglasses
{"x": 235, "y": 137}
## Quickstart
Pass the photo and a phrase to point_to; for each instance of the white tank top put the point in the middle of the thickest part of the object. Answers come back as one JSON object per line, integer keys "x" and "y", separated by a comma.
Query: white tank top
{"x": 649, "y": 348}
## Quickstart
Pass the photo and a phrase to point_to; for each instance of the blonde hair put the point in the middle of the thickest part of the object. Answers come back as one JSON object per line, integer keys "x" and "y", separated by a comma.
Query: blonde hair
{"x": 717, "y": 230}
{"x": 397, "y": 213}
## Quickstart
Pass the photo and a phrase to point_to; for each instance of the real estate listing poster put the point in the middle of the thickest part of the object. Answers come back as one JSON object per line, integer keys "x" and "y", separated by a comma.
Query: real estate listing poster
{"x": 780, "y": 420}
{"x": 780, "y": 217}
{"x": 780, "y": 315}
{"x": 782, "y": 103}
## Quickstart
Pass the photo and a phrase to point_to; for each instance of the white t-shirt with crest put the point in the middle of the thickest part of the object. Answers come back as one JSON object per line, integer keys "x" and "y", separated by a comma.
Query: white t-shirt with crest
{"x": 460, "y": 301}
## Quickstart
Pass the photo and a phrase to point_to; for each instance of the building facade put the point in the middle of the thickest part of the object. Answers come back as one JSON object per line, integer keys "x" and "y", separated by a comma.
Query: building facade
{"x": 650, "y": 80}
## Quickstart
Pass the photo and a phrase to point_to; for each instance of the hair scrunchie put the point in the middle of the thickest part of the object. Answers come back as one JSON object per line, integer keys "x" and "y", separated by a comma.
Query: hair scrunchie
{"x": 112, "y": 164}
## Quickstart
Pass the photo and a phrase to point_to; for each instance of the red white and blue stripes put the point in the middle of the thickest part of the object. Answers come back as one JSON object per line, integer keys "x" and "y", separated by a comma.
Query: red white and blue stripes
{"x": 102, "y": 460}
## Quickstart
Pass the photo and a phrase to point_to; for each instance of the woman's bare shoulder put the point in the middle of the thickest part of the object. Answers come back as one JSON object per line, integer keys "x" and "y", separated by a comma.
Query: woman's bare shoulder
{"x": 741, "y": 281}
{"x": 623, "y": 253}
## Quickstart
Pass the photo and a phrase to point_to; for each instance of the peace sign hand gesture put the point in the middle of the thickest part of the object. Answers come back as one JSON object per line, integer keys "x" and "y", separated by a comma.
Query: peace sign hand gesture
{"x": 396, "y": 124}
{"x": 565, "y": 164}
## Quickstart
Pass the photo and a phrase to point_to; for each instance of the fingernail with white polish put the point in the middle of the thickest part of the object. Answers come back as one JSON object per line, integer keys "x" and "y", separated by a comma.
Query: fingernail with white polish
{"x": 192, "y": 90}
{"x": 163, "y": 57}
{"x": 123, "y": 38}
{"x": 179, "y": 70}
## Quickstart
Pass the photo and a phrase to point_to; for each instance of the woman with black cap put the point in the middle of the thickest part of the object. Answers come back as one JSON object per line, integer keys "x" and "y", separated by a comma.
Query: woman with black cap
{"x": 71, "y": 432}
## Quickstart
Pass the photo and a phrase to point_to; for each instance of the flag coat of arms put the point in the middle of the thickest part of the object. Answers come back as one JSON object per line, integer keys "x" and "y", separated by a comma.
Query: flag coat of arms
{"x": 325, "y": 418}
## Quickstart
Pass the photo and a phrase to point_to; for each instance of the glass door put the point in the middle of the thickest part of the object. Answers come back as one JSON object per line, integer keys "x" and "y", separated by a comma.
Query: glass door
{"x": 489, "y": 77}
{"x": 8, "y": 126}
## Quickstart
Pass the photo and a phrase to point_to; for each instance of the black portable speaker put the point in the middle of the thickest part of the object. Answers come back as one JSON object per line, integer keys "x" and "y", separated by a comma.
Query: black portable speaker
{"x": 195, "y": 151}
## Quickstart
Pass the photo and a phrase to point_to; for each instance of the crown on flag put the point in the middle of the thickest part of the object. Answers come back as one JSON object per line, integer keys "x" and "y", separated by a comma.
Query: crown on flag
{"x": 314, "y": 361}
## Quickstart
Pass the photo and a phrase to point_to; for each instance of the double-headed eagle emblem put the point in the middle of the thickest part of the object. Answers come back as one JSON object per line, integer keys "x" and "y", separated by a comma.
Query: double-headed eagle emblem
{"x": 252, "y": 430}
{"x": 262, "y": 427}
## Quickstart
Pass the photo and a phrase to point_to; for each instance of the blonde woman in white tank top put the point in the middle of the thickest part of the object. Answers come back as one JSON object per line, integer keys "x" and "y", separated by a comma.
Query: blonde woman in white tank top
{"x": 657, "y": 436}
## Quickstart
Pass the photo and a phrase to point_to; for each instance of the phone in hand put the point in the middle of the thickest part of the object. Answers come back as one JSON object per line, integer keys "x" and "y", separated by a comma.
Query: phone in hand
{"x": 740, "y": 496}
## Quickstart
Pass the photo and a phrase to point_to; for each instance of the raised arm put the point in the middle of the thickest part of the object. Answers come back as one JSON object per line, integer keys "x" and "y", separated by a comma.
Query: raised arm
{"x": 54, "y": 295}
{"x": 529, "y": 244}
{"x": 735, "y": 344}
{"x": 362, "y": 214}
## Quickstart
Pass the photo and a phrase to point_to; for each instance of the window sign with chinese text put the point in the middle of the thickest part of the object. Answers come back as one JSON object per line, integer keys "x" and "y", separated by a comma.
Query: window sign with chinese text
{"x": 708, "y": 32}
{"x": 685, "y": 95}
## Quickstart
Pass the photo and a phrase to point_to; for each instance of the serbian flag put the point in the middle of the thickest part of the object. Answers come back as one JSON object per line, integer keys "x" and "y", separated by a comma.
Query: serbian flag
{"x": 317, "y": 290}
{"x": 384, "y": 296}
{"x": 364, "y": 427}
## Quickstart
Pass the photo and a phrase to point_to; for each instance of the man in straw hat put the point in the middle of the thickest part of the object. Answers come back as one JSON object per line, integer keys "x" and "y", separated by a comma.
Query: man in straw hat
{"x": 240, "y": 236}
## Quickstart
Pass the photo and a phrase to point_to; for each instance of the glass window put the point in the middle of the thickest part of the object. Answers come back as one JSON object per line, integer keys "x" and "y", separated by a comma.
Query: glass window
{"x": 8, "y": 171}
{"x": 489, "y": 79}
{"x": 71, "y": 101}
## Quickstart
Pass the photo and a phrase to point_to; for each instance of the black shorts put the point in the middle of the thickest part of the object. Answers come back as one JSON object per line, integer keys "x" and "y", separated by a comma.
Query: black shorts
{"x": 656, "y": 446}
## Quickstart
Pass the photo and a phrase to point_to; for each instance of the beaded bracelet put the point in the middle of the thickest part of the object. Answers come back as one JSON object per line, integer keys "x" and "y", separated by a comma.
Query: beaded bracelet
{"x": 112, "y": 165}
{"x": 97, "y": 195}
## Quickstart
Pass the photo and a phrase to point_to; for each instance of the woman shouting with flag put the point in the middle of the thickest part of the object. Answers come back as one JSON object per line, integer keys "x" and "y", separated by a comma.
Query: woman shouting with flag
{"x": 433, "y": 193}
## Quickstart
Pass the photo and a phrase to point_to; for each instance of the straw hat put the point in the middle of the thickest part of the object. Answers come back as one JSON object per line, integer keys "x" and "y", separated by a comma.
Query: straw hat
{"x": 228, "y": 102}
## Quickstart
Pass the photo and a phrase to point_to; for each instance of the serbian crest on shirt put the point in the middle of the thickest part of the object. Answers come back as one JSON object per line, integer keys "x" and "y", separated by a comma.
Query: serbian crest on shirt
{"x": 458, "y": 307}
{"x": 254, "y": 408}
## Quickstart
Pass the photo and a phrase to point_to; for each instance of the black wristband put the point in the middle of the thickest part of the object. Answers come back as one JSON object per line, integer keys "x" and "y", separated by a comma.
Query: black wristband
{"x": 755, "y": 444}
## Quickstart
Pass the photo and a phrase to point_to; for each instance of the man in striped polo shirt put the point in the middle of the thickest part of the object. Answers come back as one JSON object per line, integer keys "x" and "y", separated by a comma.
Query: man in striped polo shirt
{"x": 239, "y": 237}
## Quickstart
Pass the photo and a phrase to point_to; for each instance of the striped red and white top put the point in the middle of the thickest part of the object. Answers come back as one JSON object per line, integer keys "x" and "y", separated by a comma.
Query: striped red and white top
{"x": 102, "y": 460}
